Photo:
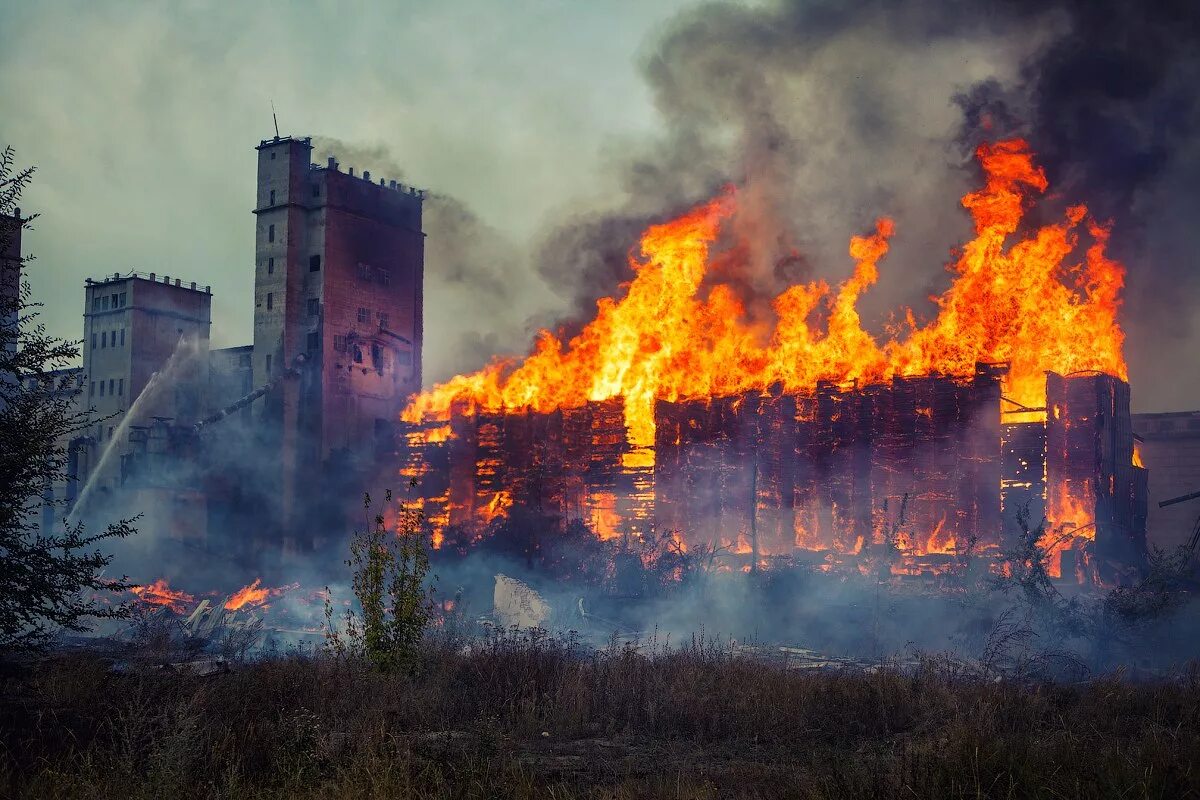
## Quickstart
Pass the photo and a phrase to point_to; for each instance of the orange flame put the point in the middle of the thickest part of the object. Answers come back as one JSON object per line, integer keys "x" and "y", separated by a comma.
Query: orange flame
{"x": 159, "y": 593}
{"x": 251, "y": 594}
{"x": 672, "y": 335}
{"x": 497, "y": 507}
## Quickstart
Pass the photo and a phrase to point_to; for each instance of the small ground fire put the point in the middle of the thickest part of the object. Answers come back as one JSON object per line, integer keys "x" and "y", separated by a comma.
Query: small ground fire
{"x": 813, "y": 438}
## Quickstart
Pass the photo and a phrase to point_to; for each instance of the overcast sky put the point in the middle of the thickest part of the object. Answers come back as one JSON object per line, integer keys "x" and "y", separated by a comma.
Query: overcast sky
{"x": 521, "y": 115}
{"x": 143, "y": 117}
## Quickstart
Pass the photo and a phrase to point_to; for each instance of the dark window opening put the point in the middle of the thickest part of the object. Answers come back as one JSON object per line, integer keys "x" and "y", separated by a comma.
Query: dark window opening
{"x": 316, "y": 190}
{"x": 121, "y": 387}
{"x": 122, "y": 337}
{"x": 383, "y": 320}
{"x": 364, "y": 315}
{"x": 92, "y": 389}
{"x": 357, "y": 354}
{"x": 111, "y": 385}
{"x": 385, "y": 277}
{"x": 103, "y": 339}
{"x": 314, "y": 264}
{"x": 102, "y": 388}
{"x": 270, "y": 266}
{"x": 272, "y": 155}
{"x": 95, "y": 304}
{"x": 270, "y": 233}
{"x": 314, "y": 306}
{"x": 104, "y": 303}
{"x": 339, "y": 344}
{"x": 270, "y": 301}
{"x": 268, "y": 363}
{"x": 377, "y": 356}
{"x": 123, "y": 299}
{"x": 272, "y": 197}
{"x": 313, "y": 341}
{"x": 93, "y": 341}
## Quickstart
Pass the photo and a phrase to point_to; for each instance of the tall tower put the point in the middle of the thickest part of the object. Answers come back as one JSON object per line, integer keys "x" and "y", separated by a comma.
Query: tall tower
{"x": 339, "y": 276}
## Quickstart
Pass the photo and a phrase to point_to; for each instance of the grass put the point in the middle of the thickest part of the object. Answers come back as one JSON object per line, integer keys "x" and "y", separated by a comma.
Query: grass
{"x": 538, "y": 717}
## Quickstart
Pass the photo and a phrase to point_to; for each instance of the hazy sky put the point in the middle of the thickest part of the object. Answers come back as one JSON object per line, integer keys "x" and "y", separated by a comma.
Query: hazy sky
{"x": 525, "y": 117}
{"x": 142, "y": 119}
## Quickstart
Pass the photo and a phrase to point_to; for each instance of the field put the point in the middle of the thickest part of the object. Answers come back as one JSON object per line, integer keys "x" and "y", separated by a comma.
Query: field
{"x": 533, "y": 716}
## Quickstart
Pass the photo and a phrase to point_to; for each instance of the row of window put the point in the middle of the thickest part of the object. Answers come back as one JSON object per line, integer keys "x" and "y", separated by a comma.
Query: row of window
{"x": 378, "y": 275}
{"x": 364, "y": 317}
{"x": 316, "y": 190}
{"x": 116, "y": 387}
{"x": 314, "y": 261}
{"x": 109, "y": 339}
{"x": 108, "y": 301}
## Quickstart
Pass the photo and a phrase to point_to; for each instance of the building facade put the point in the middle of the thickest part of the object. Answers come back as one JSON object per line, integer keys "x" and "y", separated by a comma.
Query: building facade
{"x": 339, "y": 276}
{"x": 145, "y": 355}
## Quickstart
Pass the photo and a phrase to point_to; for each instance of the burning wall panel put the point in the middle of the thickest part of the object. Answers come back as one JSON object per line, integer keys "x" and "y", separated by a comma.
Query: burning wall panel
{"x": 768, "y": 473}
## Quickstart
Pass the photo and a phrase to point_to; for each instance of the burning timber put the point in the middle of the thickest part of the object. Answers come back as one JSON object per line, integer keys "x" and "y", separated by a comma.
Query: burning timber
{"x": 916, "y": 475}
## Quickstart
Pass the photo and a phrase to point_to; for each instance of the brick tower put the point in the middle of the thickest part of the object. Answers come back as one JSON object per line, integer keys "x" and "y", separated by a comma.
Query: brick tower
{"x": 339, "y": 274}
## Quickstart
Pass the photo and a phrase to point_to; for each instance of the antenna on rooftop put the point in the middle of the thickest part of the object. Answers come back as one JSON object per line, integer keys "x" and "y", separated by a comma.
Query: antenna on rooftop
{"x": 275, "y": 118}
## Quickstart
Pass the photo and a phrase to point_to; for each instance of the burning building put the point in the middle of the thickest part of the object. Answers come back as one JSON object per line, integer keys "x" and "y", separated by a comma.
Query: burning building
{"x": 671, "y": 411}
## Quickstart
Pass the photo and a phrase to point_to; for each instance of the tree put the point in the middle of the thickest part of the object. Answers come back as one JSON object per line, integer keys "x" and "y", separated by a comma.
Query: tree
{"x": 49, "y": 581}
{"x": 389, "y": 564}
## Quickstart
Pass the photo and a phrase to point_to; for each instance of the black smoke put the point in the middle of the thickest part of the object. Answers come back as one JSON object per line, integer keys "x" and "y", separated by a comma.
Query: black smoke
{"x": 827, "y": 114}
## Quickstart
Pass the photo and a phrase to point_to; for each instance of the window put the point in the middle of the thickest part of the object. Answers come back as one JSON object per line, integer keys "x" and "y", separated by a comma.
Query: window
{"x": 364, "y": 315}
{"x": 104, "y": 303}
{"x": 270, "y": 233}
{"x": 383, "y": 320}
{"x": 93, "y": 341}
{"x": 110, "y": 431}
{"x": 270, "y": 266}
{"x": 112, "y": 384}
{"x": 364, "y": 272}
{"x": 123, "y": 299}
{"x": 404, "y": 357}
{"x": 272, "y": 198}
{"x": 314, "y": 341}
{"x": 385, "y": 277}
{"x": 268, "y": 363}
{"x": 272, "y": 155}
{"x": 357, "y": 354}
{"x": 103, "y": 339}
{"x": 377, "y": 356}
{"x": 95, "y": 304}
{"x": 121, "y": 387}
{"x": 339, "y": 344}
{"x": 314, "y": 306}
{"x": 115, "y": 298}
{"x": 122, "y": 337}
{"x": 316, "y": 190}
{"x": 92, "y": 389}
{"x": 270, "y": 301}
{"x": 314, "y": 263}
{"x": 102, "y": 388}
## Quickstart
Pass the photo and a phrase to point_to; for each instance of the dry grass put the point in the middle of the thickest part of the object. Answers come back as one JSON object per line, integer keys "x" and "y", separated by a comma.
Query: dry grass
{"x": 536, "y": 717}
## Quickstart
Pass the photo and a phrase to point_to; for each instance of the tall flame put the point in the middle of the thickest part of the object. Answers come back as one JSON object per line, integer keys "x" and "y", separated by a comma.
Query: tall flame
{"x": 671, "y": 335}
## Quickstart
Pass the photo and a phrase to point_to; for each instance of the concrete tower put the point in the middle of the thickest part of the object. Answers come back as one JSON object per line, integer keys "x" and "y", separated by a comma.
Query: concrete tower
{"x": 339, "y": 275}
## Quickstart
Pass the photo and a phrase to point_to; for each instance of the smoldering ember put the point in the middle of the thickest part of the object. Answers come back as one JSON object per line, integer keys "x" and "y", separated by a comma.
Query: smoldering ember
{"x": 736, "y": 482}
